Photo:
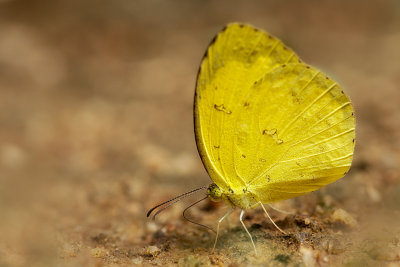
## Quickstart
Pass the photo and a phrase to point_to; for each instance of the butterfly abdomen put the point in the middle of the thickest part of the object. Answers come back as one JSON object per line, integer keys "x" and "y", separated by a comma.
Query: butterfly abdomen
{"x": 241, "y": 198}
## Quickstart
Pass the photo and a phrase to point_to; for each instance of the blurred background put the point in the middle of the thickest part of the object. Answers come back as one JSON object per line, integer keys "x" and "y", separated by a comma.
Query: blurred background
{"x": 96, "y": 127}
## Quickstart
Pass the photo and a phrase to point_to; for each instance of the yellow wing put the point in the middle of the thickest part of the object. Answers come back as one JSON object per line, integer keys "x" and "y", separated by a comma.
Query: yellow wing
{"x": 299, "y": 133}
{"x": 266, "y": 122}
{"x": 238, "y": 56}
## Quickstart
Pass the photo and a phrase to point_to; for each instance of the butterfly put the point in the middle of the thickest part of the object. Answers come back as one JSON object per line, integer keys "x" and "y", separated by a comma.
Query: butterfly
{"x": 268, "y": 126}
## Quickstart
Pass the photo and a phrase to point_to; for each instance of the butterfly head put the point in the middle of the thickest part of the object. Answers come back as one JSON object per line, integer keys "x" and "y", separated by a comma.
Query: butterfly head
{"x": 214, "y": 192}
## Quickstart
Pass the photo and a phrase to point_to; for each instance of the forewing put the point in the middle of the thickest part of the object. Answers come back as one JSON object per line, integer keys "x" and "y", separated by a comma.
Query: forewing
{"x": 237, "y": 57}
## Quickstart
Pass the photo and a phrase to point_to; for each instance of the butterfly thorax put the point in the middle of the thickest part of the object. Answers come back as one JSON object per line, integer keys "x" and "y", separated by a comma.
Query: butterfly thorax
{"x": 241, "y": 197}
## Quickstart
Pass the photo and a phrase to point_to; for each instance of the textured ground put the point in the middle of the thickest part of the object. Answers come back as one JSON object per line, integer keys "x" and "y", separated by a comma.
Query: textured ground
{"x": 96, "y": 127}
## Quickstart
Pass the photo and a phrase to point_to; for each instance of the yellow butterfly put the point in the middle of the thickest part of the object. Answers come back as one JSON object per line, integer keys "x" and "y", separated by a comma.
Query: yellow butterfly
{"x": 268, "y": 127}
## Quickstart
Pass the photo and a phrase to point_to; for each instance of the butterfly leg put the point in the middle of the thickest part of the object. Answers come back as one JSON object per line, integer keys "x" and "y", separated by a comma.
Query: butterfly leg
{"x": 279, "y": 210}
{"x": 272, "y": 220}
{"x": 219, "y": 222}
{"x": 244, "y": 226}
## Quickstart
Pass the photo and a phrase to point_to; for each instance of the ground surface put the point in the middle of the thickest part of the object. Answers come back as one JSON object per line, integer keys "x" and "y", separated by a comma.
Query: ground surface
{"x": 96, "y": 127}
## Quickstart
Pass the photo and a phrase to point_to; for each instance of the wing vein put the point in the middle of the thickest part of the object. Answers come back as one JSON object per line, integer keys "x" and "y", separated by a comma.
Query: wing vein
{"x": 317, "y": 154}
{"x": 330, "y": 138}
{"x": 299, "y": 142}
{"x": 309, "y": 106}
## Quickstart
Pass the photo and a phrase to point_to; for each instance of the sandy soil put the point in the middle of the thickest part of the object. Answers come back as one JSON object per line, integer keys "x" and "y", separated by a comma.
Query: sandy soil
{"x": 96, "y": 127}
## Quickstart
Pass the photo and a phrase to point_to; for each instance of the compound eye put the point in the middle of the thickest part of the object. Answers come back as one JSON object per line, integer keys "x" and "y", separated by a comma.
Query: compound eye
{"x": 214, "y": 192}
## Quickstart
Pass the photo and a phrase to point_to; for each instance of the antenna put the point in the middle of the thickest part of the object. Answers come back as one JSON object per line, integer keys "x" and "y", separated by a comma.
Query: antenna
{"x": 191, "y": 205}
{"x": 172, "y": 201}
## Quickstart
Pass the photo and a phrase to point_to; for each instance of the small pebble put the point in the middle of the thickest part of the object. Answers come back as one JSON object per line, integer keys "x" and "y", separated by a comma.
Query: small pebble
{"x": 325, "y": 259}
{"x": 98, "y": 252}
{"x": 151, "y": 227}
{"x": 328, "y": 200}
{"x": 308, "y": 256}
{"x": 373, "y": 194}
{"x": 340, "y": 215}
{"x": 319, "y": 209}
{"x": 152, "y": 251}
{"x": 333, "y": 246}
{"x": 137, "y": 261}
